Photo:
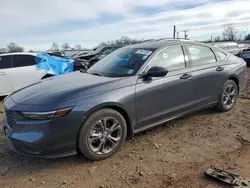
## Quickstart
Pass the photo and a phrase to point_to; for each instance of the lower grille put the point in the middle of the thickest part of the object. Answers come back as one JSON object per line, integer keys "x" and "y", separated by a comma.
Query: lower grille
{"x": 9, "y": 117}
{"x": 24, "y": 147}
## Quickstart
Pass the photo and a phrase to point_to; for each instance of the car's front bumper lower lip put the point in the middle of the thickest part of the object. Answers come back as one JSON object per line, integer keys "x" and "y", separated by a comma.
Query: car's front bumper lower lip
{"x": 27, "y": 149}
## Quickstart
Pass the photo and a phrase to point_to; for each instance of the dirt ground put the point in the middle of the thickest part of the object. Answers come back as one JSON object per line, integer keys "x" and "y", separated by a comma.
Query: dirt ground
{"x": 173, "y": 155}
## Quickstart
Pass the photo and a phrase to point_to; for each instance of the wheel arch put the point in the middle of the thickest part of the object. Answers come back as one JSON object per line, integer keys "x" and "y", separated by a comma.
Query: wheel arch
{"x": 119, "y": 108}
{"x": 235, "y": 79}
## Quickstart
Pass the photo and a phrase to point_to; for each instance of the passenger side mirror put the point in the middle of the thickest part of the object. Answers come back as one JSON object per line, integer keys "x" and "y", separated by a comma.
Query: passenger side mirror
{"x": 157, "y": 72}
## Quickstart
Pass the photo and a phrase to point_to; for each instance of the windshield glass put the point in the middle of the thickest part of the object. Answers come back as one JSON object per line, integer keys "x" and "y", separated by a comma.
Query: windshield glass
{"x": 122, "y": 62}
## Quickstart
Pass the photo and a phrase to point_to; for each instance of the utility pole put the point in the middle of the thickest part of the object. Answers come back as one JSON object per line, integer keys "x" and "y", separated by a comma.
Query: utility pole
{"x": 174, "y": 31}
{"x": 185, "y": 34}
{"x": 177, "y": 34}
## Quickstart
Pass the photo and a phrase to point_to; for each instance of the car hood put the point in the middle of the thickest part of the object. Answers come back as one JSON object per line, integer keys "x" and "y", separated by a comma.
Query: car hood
{"x": 63, "y": 88}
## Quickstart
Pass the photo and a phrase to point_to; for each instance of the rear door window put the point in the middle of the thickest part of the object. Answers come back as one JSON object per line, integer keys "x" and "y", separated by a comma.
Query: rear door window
{"x": 5, "y": 62}
{"x": 23, "y": 60}
{"x": 200, "y": 55}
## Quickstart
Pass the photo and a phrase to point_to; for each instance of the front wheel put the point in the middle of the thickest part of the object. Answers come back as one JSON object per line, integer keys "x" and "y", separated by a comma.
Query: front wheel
{"x": 102, "y": 134}
{"x": 228, "y": 96}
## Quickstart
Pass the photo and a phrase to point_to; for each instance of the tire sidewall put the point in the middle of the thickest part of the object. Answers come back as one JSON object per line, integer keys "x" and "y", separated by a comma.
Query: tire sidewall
{"x": 87, "y": 127}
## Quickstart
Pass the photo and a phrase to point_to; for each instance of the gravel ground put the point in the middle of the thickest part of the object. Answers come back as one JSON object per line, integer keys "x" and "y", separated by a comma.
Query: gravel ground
{"x": 172, "y": 155}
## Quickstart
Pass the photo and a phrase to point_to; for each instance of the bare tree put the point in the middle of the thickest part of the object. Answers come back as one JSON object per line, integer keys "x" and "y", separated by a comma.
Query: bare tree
{"x": 230, "y": 33}
{"x": 3, "y": 50}
{"x": 247, "y": 37}
{"x": 12, "y": 47}
{"x": 122, "y": 41}
{"x": 65, "y": 46}
{"x": 55, "y": 47}
{"x": 78, "y": 47}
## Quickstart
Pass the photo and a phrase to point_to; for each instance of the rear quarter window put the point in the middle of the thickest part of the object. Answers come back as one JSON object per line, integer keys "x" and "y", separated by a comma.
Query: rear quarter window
{"x": 221, "y": 55}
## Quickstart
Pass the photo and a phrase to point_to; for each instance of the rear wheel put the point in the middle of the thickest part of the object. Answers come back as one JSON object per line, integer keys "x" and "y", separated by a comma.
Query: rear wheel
{"x": 228, "y": 96}
{"x": 102, "y": 134}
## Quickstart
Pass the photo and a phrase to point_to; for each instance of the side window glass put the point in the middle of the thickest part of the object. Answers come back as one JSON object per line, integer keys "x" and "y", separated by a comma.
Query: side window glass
{"x": 5, "y": 62}
{"x": 201, "y": 55}
{"x": 221, "y": 55}
{"x": 171, "y": 58}
{"x": 23, "y": 60}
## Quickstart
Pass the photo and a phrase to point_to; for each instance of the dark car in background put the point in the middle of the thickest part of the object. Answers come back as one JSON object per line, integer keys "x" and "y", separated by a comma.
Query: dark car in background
{"x": 84, "y": 61}
{"x": 245, "y": 54}
{"x": 130, "y": 90}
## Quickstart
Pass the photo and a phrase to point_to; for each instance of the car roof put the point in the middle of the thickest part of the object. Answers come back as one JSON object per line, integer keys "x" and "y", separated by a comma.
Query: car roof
{"x": 156, "y": 44}
{"x": 19, "y": 53}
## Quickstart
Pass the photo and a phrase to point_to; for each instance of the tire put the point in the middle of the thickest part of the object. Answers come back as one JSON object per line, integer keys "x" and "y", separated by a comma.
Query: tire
{"x": 92, "y": 134}
{"x": 222, "y": 106}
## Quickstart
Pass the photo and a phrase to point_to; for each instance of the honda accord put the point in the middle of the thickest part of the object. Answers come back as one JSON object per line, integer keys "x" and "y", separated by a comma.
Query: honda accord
{"x": 130, "y": 90}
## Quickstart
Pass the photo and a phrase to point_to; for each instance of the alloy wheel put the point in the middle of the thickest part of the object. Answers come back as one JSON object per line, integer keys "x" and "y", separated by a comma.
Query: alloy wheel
{"x": 229, "y": 96}
{"x": 105, "y": 135}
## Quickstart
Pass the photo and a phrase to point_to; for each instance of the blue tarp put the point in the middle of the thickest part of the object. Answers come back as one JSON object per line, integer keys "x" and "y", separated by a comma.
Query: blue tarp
{"x": 54, "y": 65}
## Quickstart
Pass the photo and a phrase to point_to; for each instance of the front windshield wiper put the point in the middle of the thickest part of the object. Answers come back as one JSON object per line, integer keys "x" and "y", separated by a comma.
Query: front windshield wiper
{"x": 96, "y": 74}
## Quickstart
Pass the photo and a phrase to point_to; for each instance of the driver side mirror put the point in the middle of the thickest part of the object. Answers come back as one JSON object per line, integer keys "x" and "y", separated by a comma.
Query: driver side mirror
{"x": 156, "y": 72}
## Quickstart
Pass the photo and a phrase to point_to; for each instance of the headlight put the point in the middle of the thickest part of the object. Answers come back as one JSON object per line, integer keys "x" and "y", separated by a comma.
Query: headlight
{"x": 47, "y": 115}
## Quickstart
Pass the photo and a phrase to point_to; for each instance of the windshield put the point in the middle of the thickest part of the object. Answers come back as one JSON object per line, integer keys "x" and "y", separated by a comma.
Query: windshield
{"x": 122, "y": 62}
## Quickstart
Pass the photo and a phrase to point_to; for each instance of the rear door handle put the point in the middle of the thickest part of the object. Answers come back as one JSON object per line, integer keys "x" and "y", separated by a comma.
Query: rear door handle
{"x": 219, "y": 69}
{"x": 185, "y": 76}
{"x": 2, "y": 73}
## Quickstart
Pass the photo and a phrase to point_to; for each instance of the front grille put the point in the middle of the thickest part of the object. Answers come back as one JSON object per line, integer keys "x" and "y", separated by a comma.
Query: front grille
{"x": 9, "y": 117}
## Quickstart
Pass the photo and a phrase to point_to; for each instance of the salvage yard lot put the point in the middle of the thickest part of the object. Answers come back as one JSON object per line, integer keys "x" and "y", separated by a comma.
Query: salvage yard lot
{"x": 173, "y": 155}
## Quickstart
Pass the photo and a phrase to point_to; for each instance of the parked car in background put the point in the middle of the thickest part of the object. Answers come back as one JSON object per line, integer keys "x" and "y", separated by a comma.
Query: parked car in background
{"x": 245, "y": 54}
{"x": 18, "y": 70}
{"x": 243, "y": 46}
{"x": 76, "y": 53}
{"x": 90, "y": 58}
{"x": 55, "y": 53}
{"x": 231, "y": 47}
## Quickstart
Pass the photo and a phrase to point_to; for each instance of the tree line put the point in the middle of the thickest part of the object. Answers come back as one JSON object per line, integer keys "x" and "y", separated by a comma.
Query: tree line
{"x": 230, "y": 33}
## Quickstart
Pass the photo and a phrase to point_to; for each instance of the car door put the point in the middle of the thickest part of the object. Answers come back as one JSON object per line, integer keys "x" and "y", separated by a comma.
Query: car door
{"x": 24, "y": 71}
{"x": 158, "y": 99}
{"x": 208, "y": 74}
{"x": 5, "y": 66}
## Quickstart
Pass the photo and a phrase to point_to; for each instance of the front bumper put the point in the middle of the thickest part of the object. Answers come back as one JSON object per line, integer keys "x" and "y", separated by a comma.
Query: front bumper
{"x": 47, "y": 139}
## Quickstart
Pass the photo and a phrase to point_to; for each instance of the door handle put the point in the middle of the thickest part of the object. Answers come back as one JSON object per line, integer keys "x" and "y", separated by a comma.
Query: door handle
{"x": 219, "y": 69}
{"x": 185, "y": 76}
{"x": 2, "y": 73}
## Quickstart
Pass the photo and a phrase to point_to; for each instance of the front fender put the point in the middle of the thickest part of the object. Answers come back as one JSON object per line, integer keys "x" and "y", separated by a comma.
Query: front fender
{"x": 123, "y": 98}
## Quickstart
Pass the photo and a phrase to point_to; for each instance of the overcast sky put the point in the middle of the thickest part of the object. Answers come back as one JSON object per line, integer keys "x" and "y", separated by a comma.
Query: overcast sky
{"x": 36, "y": 24}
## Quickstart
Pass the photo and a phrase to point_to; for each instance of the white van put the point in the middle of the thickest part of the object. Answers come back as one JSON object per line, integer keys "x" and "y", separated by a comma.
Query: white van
{"x": 18, "y": 70}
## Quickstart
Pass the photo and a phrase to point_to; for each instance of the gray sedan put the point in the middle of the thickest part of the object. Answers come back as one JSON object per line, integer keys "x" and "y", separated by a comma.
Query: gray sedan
{"x": 132, "y": 89}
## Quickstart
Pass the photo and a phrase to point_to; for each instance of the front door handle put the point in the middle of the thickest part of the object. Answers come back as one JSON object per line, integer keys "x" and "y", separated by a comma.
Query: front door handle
{"x": 185, "y": 76}
{"x": 2, "y": 73}
{"x": 219, "y": 69}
